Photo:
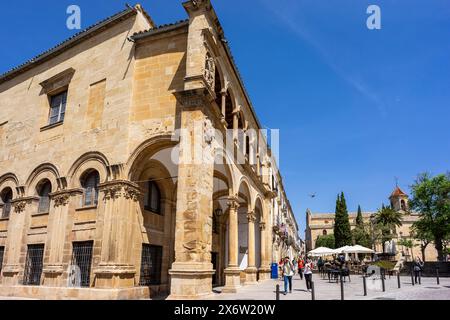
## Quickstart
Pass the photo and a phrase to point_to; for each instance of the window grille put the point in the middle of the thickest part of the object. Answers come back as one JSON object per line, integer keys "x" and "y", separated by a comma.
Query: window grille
{"x": 2, "y": 252}
{"x": 6, "y": 199}
{"x": 90, "y": 186}
{"x": 33, "y": 265}
{"x": 150, "y": 265}
{"x": 152, "y": 198}
{"x": 81, "y": 264}
{"x": 44, "y": 197}
{"x": 57, "y": 107}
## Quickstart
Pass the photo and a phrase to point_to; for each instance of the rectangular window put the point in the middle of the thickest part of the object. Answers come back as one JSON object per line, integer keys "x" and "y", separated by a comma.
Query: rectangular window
{"x": 33, "y": 265}
{"x": 80, "y": 271}
{"x": 151, "y": 265}
{"x": 57, "y": 108}
{"x": 2, "y": 251}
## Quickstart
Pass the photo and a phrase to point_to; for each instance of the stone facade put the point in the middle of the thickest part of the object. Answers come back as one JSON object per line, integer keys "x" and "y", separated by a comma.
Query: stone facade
{"x": 318, "y": 224}
{"x": 117, "y": 177}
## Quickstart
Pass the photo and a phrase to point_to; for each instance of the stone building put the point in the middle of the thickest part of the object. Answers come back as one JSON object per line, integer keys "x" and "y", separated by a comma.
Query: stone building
{"x": 318, "y": 224}
{"x": 131, "y": 164}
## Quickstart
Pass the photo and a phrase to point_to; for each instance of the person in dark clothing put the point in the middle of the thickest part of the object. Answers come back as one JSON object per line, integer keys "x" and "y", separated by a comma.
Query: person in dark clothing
{"x": 418, "y": 267}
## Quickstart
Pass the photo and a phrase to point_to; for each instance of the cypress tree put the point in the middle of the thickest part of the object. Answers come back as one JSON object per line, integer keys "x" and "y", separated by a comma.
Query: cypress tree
{"x": 359, "y": 219}
{"x": 342, "y": 231}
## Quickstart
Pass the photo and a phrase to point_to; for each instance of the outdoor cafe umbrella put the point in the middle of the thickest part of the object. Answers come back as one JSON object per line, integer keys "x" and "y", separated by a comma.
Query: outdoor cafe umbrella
{"x": 357, "y": 249}
{"x": 321, "y": 251}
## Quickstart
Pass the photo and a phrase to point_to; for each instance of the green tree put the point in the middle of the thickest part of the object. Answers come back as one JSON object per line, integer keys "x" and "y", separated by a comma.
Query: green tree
{"x": 407, "y": 243}
{"x": 359, "y": 219}
{"x": 386, "y": 220}
{"x": 342, "y": 231}
{"x": 431, "y": 198}
{"x": 420, "y": 231}
{"x": 325, "y": 241}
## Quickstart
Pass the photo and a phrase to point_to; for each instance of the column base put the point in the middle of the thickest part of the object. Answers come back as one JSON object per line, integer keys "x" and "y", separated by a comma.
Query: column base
{"x": 251, "y": 274}
{"x": 264, "y": 274}
{"x": 113, "y": 276}
{"x": 232, "y": 280}
{"x": 10, "y": 274}
{"x": 190, "y": 281}
{"x": 53, "y": 275}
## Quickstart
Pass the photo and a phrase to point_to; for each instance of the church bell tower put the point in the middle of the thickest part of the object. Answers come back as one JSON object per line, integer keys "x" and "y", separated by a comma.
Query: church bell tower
{"x": 399, "y": 200}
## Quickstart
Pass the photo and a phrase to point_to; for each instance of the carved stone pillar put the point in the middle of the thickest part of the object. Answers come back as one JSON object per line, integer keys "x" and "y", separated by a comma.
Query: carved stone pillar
{"x": 251, "y": 271}
{"x": 117, "y": 223}
{"x": 191, "y": 273}
{"x": 16, "y": 241}
{"x": 264, "y": 270}
{"x": 232, "y": 272}
{"x": 58, "y": 229}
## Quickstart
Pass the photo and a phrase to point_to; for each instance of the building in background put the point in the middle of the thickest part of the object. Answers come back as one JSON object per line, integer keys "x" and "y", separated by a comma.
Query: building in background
{"x": 99, "y": 183}
{"x": 319, "y": 224}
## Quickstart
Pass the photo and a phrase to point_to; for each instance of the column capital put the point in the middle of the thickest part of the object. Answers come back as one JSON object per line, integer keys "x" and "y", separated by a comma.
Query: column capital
{"x": 19, "y": 204}
{"x": 233, "y": 202}
{"x": 118, "y": 188}
{"x": 262, "y": 226}
{"x": 61, "y": 198}
{"x": 251, "y": 216}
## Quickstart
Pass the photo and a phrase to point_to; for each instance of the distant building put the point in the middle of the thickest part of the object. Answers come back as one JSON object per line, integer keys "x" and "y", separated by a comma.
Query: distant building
{"x": 319, "y": 224}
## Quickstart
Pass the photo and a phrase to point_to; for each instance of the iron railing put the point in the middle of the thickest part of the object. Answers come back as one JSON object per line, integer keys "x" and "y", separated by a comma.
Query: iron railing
{"x": 150, "y": 265}
{"x": 33, "y": 265}
{"x": 81, "y": 263}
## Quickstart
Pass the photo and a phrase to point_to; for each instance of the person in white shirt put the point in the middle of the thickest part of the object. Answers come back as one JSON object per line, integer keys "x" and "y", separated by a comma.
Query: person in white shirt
{"x": 307, "y": 271}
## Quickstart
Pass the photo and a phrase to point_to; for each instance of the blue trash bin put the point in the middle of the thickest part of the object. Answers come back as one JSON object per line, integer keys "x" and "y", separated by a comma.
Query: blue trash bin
{"x": 274, "y": 269}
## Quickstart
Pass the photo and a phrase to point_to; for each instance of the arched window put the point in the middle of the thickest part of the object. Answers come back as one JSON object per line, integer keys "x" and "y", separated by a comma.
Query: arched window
{"x": 403, "y": 205}
{"x": 247, "y": 146}
{"x": 6, "y": 196}
{"x": 324, "y": 232}
{"x": 90, "y": 184}
{"x": 44, "y": 190}
{"x": 229, "y": 111}
{"x": 152, "y": 199}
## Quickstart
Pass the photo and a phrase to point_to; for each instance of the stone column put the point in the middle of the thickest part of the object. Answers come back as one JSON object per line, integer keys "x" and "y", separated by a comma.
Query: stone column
{"x": 191, "y": 273}
{"x": 117, "y": 223}
{"x": 251, "y": 271}
{"x": 57, "y": 231}
{"x": 16, "y": 244}
{"x": 232, "y": 272}
{"x": 223, "y": 106}
{"x": 264, "y": 270}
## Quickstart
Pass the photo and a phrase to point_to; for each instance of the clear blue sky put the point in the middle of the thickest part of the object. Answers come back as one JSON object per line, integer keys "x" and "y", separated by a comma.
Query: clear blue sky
{"x": 355, "y": 107}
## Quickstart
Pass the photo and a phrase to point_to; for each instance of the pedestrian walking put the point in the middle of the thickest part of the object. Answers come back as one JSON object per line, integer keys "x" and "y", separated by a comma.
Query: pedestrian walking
{"x": 301, "y": 265}
{"x": 418, "y": 267}
{"x": 308, "y": 274}
{"x": 288, "y": 272}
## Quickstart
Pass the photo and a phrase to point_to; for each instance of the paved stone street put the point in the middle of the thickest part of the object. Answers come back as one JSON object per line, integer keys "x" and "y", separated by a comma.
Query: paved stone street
{"x": 324, "y": 290}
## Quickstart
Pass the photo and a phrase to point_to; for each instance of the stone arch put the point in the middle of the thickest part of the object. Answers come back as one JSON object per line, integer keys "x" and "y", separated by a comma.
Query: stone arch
{"x": 88, "y": 161}
{"x": 9, "y": 180}
{"x": 146, "y": 150}
{"x": 244, "y": 191}
{"x": 45, "y": 171}
{"x": 222, "y": 161}
{"x": 230, "y": 107}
